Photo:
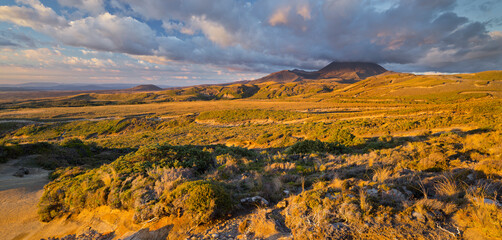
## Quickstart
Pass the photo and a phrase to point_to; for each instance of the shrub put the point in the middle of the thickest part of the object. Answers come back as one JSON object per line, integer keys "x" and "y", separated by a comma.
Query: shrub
{"x": 148, "y": 157}
{"x": 7, "y": 152}
{"x": 344, "y": 137}
{"x": 310, "y": 146}
{"x": 201, "y": 200}
{"x": 234, "y": 151}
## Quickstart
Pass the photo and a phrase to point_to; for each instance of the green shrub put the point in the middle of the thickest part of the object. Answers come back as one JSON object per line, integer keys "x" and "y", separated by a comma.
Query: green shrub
{"x": 7, "y": 152}
{"x": 169, "y": 156}
{"x": 202, "y": 200}
{"x": 77, "y": 144}
{"x": 344, "y": 137}
{"x": 234, "y": 151}
{"x": 310, "y": 146}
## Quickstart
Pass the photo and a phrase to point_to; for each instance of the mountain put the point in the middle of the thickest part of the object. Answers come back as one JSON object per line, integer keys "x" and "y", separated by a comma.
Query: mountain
{"x": 279, "y": 77}
{"x": 51, "y": 86}
{"x": 351, "y": 70}
{"x": 344, "y": 71}
{"x": 144, "y": 88}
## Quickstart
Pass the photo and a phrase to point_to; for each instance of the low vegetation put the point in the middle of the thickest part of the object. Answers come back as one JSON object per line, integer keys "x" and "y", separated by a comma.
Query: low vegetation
{"x": 354, "y": 161}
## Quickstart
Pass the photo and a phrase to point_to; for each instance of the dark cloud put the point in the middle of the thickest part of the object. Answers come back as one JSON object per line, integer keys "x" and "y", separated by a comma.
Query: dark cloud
{"x": 267, "y": 35}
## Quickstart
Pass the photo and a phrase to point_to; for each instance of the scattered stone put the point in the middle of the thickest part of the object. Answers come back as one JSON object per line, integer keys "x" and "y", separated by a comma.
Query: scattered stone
{"x": 255, "y": 200}
{"x": 339, "y": 226}
{"x": 408, "y": 192}
{"x": 333, "y": 197}
{"x": 214, "y": 235}
{"x": 372, "y": 192}
{"x": 21, "y": 172}
{"x": 490, "y": 201}
{"x": 418, "y": 216}
{"x": 396, "y": 195}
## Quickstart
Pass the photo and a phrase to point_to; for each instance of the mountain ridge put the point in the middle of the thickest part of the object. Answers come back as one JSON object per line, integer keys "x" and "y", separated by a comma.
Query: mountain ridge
{"x": 344, "y": 71}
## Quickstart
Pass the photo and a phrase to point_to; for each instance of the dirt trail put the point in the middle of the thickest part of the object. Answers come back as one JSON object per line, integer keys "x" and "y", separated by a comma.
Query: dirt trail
{"x": 19, "y": 197}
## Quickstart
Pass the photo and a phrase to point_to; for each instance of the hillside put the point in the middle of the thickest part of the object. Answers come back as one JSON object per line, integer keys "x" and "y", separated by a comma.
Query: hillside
{"x": 415, "y": 155}
{"x": 348, "y": 71}
{"x": 144, "y": 88}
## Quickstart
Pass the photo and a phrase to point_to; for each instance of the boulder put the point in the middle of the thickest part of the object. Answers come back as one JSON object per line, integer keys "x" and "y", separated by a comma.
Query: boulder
{"x": 255, "y": 200}
{"x": 21, "y": 172}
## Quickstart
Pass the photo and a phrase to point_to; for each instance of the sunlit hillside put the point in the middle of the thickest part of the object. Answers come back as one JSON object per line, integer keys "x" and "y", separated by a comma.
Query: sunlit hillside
{"x": 415, "y": 156}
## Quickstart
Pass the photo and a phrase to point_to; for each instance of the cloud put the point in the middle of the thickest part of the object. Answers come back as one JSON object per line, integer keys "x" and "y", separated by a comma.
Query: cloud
{"x": 108, "y": 32}
{"x": 36, "y": 16}
{"x": 280, "y": 16}
{"x": 264, "y": 36}
{"x": 214, "y": 31}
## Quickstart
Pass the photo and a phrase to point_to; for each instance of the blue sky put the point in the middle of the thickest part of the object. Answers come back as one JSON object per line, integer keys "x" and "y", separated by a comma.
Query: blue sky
{"x": 187, "y": 42}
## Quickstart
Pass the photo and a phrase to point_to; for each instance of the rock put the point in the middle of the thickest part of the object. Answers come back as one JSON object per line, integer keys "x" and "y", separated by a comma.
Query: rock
{"x": 214, "y": 235}
{"x": 490, "y": 201}
{"x": 145, "y": 233}
{"x": 418, "y": 216}
{"x": 333, "y": 197}
{"x": 372, "y": 192}
{"x": 396, "y": 195}
{"x": 408, "y": 192}
{"x": 470, "y": 176}
{"x": 21, "y": 172}
{"x": 339, "y": 226}
{"x": 255, "y": 200}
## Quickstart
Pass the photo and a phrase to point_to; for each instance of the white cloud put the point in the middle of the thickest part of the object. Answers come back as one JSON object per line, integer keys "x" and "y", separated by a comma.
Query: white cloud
{"x": 36, "y": 16}
{"x": 214, "y": 31}
{"x": 108, "y": 32}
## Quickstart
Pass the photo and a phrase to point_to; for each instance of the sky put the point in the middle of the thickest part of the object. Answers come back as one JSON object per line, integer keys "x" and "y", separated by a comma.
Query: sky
{"x": 189, "y": 42}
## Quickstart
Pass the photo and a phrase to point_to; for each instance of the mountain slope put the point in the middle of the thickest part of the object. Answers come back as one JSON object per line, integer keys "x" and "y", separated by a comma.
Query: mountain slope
{"x": 354, "y": 71}
{"x": 144, "y": 88}
{"x": 351, "y": 70}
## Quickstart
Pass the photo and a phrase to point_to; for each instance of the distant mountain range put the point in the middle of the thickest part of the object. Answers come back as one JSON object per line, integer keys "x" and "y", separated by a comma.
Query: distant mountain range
{"x": 144, "y": 88}
{"x": 336, "y": 80}
{"x": 50, "y": 86}
{"x": 346, "y": 72}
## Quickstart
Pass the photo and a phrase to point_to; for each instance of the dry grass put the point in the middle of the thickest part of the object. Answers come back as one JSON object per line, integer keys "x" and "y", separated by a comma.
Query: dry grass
{"x": 382, "y": 174}
{"x": 259, "y": 224}
{"x": 481, "y": 218}
{"x": 448, "y": 187}
{"x": 286, "y": 166}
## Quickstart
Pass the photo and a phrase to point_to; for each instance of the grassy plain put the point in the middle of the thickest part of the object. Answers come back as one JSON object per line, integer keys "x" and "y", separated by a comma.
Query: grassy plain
{"x": 396, "y": 156}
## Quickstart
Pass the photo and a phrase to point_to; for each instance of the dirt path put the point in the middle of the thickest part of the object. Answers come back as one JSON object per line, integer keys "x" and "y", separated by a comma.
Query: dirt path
{"x": 19, "y": 197}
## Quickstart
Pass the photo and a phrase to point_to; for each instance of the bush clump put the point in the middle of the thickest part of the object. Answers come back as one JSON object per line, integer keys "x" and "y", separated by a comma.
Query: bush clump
{"x": 148, "y": 157}
{"x": 344, "y": 137}
{"x": 200, "y": 200}
{"x": 315, "y": 146}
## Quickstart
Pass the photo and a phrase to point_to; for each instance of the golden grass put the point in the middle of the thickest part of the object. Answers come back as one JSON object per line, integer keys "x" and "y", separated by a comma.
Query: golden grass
{"x": 260, "y": 224}
{"x": 382, "y": 174}
{"x": 480, "y": 219}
